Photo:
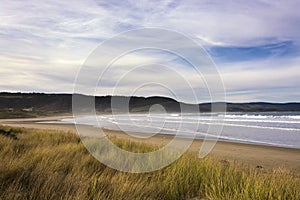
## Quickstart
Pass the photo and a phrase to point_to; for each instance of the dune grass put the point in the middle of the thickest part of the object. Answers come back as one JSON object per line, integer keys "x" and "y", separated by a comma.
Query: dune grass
{"x": 39, "y": 164}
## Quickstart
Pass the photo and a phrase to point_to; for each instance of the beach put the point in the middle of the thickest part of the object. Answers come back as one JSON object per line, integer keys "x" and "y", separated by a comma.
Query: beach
{"x": 256, "y": 156}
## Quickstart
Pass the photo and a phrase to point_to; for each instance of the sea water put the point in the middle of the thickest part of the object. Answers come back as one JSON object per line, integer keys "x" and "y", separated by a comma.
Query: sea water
{"x": 280, "y": 129}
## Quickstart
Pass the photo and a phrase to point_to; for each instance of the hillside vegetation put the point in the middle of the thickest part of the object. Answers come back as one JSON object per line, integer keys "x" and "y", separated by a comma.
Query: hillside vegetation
{"x": 40, "y": 164}
{"x": 24, "y": 105}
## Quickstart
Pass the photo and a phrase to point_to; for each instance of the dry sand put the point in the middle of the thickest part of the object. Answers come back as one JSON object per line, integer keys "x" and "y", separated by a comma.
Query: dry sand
{"x": 267, "y": 157}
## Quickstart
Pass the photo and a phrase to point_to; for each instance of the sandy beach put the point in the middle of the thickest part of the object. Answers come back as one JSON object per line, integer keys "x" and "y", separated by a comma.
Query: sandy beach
{"x": 256, "y": 156}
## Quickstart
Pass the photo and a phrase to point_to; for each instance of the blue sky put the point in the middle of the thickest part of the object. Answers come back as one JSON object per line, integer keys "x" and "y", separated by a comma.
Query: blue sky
{"x": 254, "y": 44}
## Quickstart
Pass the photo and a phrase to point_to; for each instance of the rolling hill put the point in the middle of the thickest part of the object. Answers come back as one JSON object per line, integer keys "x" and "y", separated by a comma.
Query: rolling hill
{"x": 16, "y": 105}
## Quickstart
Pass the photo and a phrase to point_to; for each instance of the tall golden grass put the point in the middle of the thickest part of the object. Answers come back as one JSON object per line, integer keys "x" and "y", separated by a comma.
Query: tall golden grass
{"x": 39, "y": 164}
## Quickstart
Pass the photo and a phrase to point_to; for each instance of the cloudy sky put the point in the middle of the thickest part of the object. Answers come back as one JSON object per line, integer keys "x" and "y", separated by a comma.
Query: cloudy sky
{"x": 255, "y": 45}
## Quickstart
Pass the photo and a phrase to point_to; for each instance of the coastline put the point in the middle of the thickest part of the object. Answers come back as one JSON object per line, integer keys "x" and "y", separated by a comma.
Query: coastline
{"x": 256, "y": 156}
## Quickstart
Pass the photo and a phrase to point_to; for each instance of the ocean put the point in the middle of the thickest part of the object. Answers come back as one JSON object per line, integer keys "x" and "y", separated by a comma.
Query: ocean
{"x": 280, "y": 129}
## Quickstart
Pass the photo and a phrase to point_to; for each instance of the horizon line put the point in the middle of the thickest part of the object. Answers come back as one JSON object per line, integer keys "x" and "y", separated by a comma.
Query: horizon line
{"x": 109, "y": 95}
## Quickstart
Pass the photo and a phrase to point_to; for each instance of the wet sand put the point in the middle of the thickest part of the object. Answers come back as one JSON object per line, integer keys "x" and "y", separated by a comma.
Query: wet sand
{"x": 256, "y": 156}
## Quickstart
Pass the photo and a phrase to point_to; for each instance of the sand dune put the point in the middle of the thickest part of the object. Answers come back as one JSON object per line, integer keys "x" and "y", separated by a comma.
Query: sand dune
{"x": 264, "y": 157}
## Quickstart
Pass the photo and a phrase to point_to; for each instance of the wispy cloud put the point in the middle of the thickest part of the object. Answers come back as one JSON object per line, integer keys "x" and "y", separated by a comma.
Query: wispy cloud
{"x": 255, "y": 44}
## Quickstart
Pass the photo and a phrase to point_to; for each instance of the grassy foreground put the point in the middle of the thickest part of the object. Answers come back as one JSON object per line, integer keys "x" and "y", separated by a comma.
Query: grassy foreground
{"x": 39, "y": 164}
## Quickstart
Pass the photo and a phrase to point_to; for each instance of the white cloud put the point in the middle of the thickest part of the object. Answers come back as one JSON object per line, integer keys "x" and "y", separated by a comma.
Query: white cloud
{"x": 43, "y": 43}
{"x": 265, "y": 80}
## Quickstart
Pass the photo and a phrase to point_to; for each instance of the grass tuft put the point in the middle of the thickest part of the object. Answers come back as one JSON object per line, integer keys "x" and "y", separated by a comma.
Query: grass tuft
{"x": 44, "y": 164}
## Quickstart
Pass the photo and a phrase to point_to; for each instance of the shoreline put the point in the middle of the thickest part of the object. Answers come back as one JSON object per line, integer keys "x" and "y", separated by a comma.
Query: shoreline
{"x": 256, "y": 156}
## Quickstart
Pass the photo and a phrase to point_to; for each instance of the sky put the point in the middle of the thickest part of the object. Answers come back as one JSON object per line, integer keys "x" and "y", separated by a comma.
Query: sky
{"x": 255, "y": 46}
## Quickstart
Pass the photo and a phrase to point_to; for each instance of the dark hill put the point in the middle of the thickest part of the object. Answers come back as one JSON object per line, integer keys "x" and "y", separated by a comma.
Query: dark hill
{"x": 37, "y": 104}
